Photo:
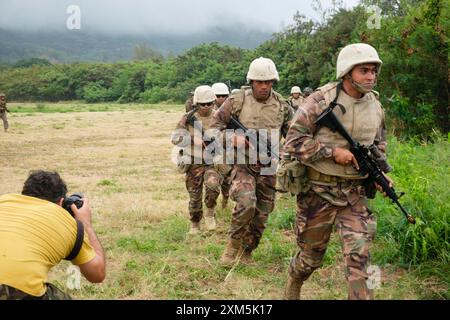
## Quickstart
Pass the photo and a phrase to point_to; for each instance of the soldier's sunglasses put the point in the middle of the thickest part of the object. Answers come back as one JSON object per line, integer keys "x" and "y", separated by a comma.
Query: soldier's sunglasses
{"x": 205, "y": 104}
{"x": 221, "y": 95}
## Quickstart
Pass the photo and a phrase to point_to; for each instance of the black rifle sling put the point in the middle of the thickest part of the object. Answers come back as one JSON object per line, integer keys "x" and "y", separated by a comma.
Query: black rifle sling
{"x": 334, "y": 102}
{"x": 78, "y": 242}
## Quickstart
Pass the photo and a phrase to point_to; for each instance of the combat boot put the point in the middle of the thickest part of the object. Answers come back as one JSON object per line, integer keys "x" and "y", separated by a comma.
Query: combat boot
{"x": 230, "y": 253}
{"x": 245, "y": 255}
{"x": 224, "y": 202}
{"x": 293, "y": 286}
{"x": 210, "y": 219}
{"x": 195, "y": 228}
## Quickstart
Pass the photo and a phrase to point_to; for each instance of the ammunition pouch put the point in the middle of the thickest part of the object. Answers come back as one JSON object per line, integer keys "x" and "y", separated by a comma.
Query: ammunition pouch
{"x": 325, "y": 179}
{"x": 291, "y": 177}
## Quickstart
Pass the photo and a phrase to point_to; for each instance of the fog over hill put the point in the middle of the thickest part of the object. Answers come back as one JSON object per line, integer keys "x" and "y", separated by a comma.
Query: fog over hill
{"x": 109, "y": 30}
{"x": 70, "y": 46}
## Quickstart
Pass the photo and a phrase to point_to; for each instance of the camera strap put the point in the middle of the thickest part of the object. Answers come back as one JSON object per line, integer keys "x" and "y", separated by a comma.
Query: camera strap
{"x": 78, "y": 242}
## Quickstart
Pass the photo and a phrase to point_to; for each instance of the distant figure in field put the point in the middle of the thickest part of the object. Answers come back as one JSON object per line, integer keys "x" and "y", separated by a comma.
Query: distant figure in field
{"x": 3, "y": 111}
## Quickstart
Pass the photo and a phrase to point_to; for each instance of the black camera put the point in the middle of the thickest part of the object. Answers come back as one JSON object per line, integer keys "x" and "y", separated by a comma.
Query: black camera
{"x": 76, "y": 199}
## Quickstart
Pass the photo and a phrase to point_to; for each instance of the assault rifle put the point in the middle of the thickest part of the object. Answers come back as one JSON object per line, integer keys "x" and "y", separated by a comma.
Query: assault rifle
{"x": 235, "y": 124}
{"x": 367, "y": 164}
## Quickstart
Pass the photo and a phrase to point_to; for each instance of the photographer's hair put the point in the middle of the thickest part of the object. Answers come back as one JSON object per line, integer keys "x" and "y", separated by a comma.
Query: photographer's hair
{"x": 45, "y": 185}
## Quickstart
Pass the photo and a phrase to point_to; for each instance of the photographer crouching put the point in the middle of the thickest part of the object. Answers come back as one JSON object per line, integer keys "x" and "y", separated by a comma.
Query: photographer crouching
{"x": 38, "y": 229}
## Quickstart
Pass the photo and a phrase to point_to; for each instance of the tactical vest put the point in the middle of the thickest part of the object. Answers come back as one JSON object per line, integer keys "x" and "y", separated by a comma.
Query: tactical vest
{"x": 257, "y": 115}
{"x": 362, "y": 119}
{"x": 205, "y": 123}
{"x": 296, "y": 102}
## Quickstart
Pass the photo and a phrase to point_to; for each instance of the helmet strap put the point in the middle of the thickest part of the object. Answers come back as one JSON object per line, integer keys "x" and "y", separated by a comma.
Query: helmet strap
{"x": 358, "y": 86}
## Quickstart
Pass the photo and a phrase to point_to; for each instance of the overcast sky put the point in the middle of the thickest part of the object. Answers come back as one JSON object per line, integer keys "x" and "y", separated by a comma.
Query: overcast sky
{"x": 154, "y": 16}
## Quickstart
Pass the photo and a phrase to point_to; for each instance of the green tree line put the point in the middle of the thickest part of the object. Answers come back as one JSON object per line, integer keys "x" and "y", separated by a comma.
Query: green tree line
{"x": 411, "y": 39}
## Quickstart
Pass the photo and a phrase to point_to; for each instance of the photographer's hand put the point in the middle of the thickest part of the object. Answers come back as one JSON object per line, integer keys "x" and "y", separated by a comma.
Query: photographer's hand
{"x": 93, "y": 270}
{"x": 83, "y": 214}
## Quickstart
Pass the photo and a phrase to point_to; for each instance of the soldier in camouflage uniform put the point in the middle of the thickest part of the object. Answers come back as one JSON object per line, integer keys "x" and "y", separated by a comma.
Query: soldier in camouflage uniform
{"x": 258, "y": 107}
{"x": 3, "y": 110}
{"x": 295, "y": 99}
{"x": 221, "y": 91}
{"x": 188, "y": 105}
{"x": 199, "y": 172}
{"x": 336, "y": 195}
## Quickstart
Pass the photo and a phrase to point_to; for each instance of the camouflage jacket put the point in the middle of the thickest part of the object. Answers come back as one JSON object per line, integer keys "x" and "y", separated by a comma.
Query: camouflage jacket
{"x": 303, "y": 144}
{"x": 233, "y": 106}
{"x": 183, "y": 136}
{"x": 188, "y": 105}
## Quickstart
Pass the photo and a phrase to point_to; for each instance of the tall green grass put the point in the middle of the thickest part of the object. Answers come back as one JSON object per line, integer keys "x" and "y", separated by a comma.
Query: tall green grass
{"x": 422, "y": 171}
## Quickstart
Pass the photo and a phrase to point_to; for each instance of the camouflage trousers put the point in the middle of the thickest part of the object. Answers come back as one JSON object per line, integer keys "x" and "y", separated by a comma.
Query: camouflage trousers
{"x": 356, "y": 227}
{"x": 5, "y": 120}
{"x": 196, "y": 176}
{"x": 254, "y": 195}
{"x": 225, "y": 187}
{"x": 52, "y": 293}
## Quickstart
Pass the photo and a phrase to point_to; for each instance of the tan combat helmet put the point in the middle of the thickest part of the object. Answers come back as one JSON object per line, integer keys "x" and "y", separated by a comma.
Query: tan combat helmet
{"x": 296, "y": 89}
{"x": 354, "y": 54}
{"x": 262, "y": 69}
{"x": 204, "y": 94}
{"x": 220, "y": 89}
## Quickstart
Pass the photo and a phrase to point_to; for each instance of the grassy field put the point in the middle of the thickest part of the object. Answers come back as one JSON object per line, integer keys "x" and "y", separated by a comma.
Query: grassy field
{"x": 119, "y": 156}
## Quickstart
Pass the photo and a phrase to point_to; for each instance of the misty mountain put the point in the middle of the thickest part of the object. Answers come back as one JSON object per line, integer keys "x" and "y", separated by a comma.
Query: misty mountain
{"x": 76, "y": 45}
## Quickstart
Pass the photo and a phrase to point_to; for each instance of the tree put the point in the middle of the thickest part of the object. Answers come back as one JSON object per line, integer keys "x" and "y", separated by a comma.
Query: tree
{"x": 144, "y": 52}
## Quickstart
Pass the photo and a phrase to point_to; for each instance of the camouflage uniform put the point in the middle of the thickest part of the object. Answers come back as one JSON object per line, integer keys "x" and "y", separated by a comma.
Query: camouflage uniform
{"x": 52, "y": 293}
{"x": 226, "y": 182}
{"x": 253, "y": 193}
{"x": 337, "y": 196}
{"x": 189, "y": 104}
{"x": 216, "y": 106}
{"x": 225, "y": 189}
{"x": 199, "y": 174}
{"x": 3, "y": 110}
{"x": 295, "y": 102}
{"x": 196, "y": 176}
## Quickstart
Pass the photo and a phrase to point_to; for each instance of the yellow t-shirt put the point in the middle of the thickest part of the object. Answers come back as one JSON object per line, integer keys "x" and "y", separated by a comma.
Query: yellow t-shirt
{"x": 35, "y": 235}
